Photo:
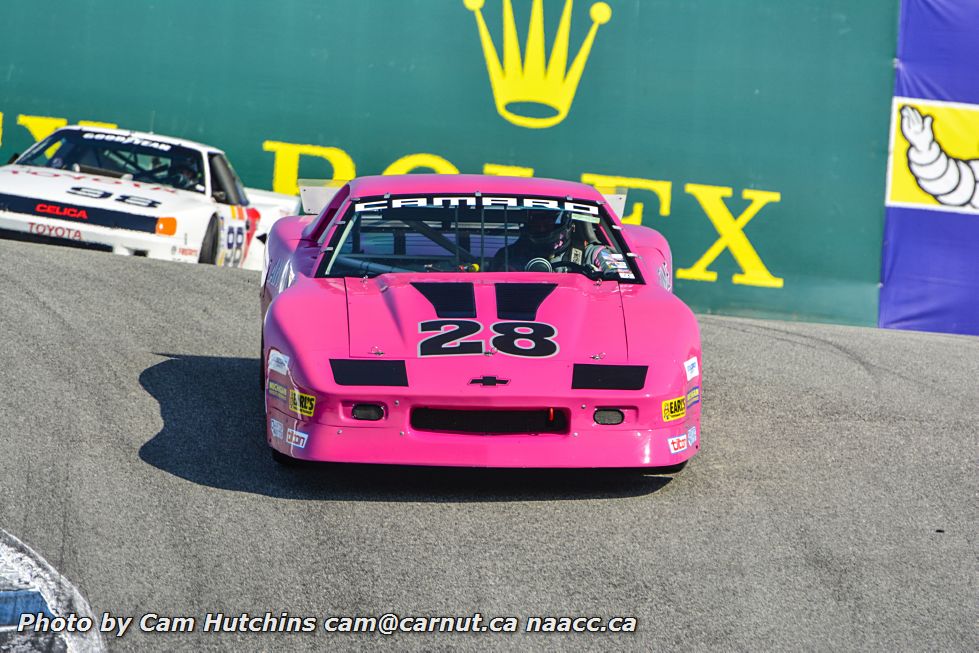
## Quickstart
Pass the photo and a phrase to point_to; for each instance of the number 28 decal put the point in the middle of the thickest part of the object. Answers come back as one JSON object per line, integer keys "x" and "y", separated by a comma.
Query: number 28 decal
{"x": 530, "y": 339}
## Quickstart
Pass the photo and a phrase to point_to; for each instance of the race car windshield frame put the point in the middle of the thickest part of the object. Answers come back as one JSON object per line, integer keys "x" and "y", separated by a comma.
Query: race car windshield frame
{"x": 118, "y": 156}
{"x": 452, "y": 234}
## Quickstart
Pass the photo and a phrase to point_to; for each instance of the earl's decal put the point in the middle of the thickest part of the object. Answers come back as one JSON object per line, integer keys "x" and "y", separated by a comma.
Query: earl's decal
{"x": 674, "y": 409}
{"x": 302, "y": 404}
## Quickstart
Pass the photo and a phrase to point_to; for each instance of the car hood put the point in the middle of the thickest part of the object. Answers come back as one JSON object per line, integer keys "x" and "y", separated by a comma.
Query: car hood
{"x": 392, "y": 316}
{"x": 54, "y": 186}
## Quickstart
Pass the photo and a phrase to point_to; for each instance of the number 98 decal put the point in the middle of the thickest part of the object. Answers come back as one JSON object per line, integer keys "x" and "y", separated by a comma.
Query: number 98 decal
{"x": 528, "y": 339}
{"x": 235, "y": 241}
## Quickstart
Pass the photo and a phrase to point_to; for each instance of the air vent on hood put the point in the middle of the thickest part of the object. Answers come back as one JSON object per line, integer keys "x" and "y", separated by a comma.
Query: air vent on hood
{"x": 369, "y": 372}
{"x": 608, "y": 377}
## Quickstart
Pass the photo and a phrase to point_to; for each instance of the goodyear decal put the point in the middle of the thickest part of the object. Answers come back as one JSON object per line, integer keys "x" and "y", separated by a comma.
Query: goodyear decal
{"x": 693, "y": 397}
{"x": 278, "y": 391}
{"x": 674, "y": 409}
{"x": 302, "y": 404}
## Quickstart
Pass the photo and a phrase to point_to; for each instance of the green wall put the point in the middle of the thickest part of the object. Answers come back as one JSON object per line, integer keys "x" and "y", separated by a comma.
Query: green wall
{"x": 785, "y": 97}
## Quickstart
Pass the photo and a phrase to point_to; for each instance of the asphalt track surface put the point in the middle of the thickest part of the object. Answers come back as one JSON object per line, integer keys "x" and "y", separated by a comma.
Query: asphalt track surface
{"x": 833, "y": 506}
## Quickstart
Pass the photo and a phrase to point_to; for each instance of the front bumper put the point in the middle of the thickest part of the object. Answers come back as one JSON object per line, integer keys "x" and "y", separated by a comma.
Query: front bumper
{"x": 122, "y": 241}
{"x": 396, "y": 443}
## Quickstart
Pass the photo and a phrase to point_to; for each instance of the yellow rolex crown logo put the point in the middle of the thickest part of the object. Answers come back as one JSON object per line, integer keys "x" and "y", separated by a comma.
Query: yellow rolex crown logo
{"x": 527, "y": 87}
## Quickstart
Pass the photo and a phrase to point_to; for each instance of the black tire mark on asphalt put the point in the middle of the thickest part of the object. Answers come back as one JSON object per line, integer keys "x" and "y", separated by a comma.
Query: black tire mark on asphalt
{"x": 872, "y": 369}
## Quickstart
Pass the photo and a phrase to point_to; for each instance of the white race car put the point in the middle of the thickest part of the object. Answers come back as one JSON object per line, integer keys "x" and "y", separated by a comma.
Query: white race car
{"x": 134, "y": 193}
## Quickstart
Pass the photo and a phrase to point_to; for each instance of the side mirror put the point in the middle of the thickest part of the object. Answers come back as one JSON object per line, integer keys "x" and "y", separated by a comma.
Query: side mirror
{"x": 262, "y": 238}
{"x": 13, "y": 157}
{"x": 220, "y": 196}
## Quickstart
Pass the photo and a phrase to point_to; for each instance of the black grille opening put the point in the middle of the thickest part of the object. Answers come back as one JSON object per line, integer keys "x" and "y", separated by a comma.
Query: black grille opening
{"x": 490, "y": 422}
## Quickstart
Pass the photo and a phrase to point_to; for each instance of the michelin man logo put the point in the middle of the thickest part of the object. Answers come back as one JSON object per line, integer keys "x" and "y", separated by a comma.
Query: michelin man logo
{"x": 953, "y": 182}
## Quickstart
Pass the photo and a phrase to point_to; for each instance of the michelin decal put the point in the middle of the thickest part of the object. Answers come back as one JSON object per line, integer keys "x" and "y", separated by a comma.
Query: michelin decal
{"x": 934, "y": 161}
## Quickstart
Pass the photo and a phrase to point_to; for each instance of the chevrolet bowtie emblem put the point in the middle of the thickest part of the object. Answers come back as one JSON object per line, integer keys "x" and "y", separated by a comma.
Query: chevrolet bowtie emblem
{"x": 489, "y": 381}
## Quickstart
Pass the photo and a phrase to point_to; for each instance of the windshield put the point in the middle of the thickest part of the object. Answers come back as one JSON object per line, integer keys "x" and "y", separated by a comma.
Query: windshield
{"x": 476, "y": 234}
{"x": 121, "y": 156}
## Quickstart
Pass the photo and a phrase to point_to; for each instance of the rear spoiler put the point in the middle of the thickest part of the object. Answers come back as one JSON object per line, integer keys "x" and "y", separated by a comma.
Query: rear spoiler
{"x": 317, "y": 193}
{"x": 616, "y": 201}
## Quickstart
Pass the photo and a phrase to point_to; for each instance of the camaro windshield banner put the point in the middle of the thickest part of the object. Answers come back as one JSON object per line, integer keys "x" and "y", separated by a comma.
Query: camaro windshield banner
{"x": 930, "y": 270}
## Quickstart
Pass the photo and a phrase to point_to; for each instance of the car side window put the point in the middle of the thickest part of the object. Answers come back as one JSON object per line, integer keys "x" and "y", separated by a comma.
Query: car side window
{"x": 225, "y": 187}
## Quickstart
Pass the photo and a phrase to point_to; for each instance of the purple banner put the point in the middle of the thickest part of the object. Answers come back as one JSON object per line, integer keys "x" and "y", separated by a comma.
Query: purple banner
{"x": 930, "y": 261}
{"x": 931, "y": 267}
{"x": 938, "y": 50}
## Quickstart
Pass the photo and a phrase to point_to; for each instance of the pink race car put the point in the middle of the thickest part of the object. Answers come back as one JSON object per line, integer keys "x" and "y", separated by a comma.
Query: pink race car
{"x": 478, "y": 321}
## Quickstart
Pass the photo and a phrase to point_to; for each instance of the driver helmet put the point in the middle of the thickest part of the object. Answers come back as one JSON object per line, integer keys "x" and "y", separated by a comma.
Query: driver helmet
{"x": 184, "y": 173}
{"x": 547, "y": 230}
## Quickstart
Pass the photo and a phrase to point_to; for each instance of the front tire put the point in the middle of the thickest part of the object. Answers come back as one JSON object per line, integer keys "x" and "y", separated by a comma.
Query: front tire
{"x": 209, "y": 246}
{"x": 669, "y": 469}
{"x": 261, "y": 363}
{"x": 282, "y": 459}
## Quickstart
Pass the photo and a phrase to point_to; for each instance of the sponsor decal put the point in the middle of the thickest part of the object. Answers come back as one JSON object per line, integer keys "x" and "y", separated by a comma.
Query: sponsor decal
{"x": 278, "y": 362}
{"x": 55, "y": 232}
{"x": 934, "y": 155}
{"x": 278, "y": 391}
{"x": 482, "y": 200}
{"x": 678, "y": 444}
{"x": 100, "y": 216}
{"x": 523, "y": 78}
{"x": 692, "y": 436}
{"x": 693, "y": 397}
{"x": 297, "y": 438}
{"x": 62, "y": 211}
{"x": 674, "y": 409}
{"x": 301, "y": 403}
{"x": 188, "y": 251}
{"x": 692, "y": 368}
{"x": 126, "y": 140}
{"x": 276, "y": 428}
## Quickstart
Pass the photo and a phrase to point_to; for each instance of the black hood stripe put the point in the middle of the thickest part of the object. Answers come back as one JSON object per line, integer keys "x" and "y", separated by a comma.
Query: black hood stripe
{"x": 520, "y": 301}
{"x": 448, "y": 298}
